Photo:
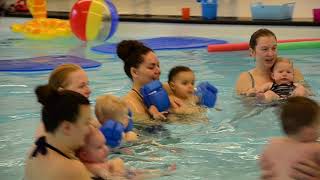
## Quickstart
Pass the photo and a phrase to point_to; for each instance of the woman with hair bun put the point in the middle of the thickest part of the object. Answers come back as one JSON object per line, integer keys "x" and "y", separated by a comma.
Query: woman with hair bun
{"x": 66, "y": 116}
{"x": 142, "y": 66}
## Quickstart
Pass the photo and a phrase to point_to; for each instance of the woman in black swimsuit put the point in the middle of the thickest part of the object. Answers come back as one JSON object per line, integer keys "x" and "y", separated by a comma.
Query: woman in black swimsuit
{"x": 263, "y": 48}
{"x": 141, "y": 65}
{"x": 66, "y": 117}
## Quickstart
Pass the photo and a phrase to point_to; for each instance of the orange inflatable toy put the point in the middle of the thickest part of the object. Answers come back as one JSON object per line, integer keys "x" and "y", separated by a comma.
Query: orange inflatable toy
{"x": 41, "y": 27}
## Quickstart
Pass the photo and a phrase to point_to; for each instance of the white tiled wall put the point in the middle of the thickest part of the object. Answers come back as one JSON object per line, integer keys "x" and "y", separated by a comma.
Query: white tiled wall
{"x": 227, "y": 8}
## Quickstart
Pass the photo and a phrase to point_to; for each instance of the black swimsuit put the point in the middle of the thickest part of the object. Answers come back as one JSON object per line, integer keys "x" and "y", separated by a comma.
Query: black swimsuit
{"x": 41, "y": 147}
{"x": 253, "y": 84}
{"x": 283, "y": 90}
{"x": 153, "y": 129}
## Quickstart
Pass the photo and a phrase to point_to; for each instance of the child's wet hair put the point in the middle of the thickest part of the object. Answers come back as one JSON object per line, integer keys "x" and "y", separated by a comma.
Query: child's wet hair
{"x": 298, "y": 112}
{"x": 281, "y": 60}
{"x": 176, "y": 70}
{"x": 109, "y": 106}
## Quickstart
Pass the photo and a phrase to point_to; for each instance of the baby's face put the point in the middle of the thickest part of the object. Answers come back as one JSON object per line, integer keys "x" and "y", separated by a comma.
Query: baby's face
{"x": 97, "y": 151}
{"x": 282, "y": 73}
{"x": 183, "y": 84}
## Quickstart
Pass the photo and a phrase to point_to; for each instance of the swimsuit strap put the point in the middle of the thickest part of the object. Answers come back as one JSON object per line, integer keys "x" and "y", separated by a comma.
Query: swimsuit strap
{"x": 252, "y": 79}
{"x": 137, "y": 93}
{"x": 97, "y": 178}
{"x": 141, "y": 98}
{"x": 42, "y": 146}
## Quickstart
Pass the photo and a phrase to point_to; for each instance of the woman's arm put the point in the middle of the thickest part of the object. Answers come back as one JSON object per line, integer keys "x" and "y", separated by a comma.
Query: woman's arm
{"x": 306, "y": 169}
{"x": 167, "y": 88}
{"x": 265, "y": 87}
{"x": 74, "y": 170}
{"x": 297, "y": 75}
{"x": 139, "y": 110}
{"x": 298, "y": 78}
{"x": 153, "y": 110}
{"x": 266, "y": 168}
{"x": 100, "y": 170}
{"x": 243, "y": 84}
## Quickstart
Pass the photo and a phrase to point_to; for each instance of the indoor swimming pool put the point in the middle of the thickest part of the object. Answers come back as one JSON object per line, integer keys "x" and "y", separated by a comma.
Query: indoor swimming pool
{"x": 227, "y": 147}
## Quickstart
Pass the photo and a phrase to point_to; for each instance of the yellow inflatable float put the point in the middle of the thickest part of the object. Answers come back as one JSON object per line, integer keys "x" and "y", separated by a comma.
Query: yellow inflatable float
{"x": 41, "y": 27}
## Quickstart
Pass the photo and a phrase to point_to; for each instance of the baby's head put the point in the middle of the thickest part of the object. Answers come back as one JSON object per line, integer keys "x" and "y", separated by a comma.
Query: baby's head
{"x": 300, "y": 117}
{"x": 282, "y": 71}
{"x": 111, "y": 107}
{"x": 95, "y": 149}
{"x": 181, "y": 81}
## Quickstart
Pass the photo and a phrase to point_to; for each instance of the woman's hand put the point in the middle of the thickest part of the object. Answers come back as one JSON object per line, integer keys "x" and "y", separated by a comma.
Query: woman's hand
{"x": 299, "y": 90}
{"x": 160, "y": 115}
{"x": 305, "y": 170}
{"x": 251, "y": 92}
{"x": 156, "y": 114}
{"x": 175, "y": 102}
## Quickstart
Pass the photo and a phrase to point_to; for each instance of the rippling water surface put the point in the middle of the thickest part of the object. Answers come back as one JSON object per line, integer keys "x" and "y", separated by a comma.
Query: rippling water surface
{"x": 227, "y": 147}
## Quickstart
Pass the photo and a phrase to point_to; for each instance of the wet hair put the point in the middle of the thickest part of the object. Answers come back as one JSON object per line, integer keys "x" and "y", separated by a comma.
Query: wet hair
{"x": 280, "y": 60}
{"x": 59, "y": 106}
{"x": 298, "y": 112}
{"x": 131, "y": 53}
{"x": 59, "y": 76}
{"x": 260, "y": 33}
{"x": 176, "y": 70}
{"x": 109, "y": 107}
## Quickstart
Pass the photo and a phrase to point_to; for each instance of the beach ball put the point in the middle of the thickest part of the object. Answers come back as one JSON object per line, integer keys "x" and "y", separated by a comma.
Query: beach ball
{"x": 93, "y": 19}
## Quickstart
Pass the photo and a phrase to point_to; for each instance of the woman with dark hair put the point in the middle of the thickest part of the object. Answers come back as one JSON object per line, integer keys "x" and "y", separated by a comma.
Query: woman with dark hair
{"x": 141, "y": 65}
{"x": 66, "y": 116}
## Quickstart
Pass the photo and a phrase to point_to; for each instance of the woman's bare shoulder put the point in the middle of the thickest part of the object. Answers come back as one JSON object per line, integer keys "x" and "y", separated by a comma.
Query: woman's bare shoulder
{"x": 298, "y": 77}
{"x": 243, "y": 83}
{"x": 167, "y": 88}
{"x": 74, "y": 169}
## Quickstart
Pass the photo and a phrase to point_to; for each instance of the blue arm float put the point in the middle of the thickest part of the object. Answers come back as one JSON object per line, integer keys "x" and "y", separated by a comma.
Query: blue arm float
{"x": 130, "y": 123}
{"x": 154, "y": 94}
{"x": 207, "y": 94}
{"x": 208, "y": 1}
{"x": 112, "y": 131}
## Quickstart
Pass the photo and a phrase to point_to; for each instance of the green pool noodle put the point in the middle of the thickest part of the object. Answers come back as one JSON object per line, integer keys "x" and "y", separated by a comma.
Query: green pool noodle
{"x": 299, "y": 45}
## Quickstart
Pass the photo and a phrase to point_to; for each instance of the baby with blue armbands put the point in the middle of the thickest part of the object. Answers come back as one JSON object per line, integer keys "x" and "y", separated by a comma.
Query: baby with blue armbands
{"x": 116, "y": 120}
{"x": 156, "y": 99}
{"x": 184, "y": 98}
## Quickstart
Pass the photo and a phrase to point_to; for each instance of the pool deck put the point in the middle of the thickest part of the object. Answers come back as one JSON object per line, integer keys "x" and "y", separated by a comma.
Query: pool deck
{"x": 192, "y": 20}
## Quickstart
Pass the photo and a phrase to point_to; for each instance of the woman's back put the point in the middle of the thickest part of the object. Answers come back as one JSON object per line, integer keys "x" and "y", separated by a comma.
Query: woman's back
{"x": 53, "y": 166}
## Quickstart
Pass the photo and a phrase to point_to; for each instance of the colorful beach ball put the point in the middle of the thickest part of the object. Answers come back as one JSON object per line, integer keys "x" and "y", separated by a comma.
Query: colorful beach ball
{"x": 93, "y": 19}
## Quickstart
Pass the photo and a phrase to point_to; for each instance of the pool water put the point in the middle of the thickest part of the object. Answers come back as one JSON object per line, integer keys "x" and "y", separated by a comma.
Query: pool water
{"x": 227, "y": 147}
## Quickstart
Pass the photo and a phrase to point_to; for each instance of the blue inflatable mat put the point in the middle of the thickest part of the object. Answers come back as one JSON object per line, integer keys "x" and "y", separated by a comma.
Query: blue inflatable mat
{"x": 164, "y": 43}
{"x": 44, "y": 63}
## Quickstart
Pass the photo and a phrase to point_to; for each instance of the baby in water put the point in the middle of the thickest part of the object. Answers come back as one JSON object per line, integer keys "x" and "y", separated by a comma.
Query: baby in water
{"x": 94, "y": 156}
